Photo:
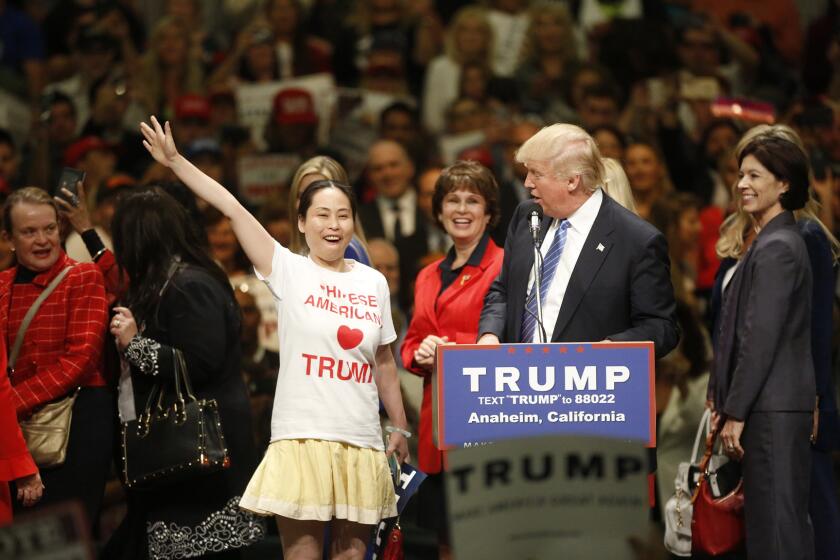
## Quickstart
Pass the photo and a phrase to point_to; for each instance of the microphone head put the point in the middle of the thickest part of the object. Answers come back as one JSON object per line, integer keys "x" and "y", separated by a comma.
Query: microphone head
{"x": 535, "y": 211}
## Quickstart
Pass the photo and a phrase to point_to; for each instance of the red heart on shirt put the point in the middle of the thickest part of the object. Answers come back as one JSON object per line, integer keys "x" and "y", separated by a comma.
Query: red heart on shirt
{"x": 349, "y": 338}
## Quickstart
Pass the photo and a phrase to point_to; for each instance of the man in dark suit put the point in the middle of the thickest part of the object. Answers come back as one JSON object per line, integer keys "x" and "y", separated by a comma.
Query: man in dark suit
{"x": 394, "y": 214}
{"x": 607, "y": 278}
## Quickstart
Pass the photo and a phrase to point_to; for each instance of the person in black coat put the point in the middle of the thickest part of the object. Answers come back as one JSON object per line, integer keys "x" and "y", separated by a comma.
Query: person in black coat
{"x": 179, "y": 299}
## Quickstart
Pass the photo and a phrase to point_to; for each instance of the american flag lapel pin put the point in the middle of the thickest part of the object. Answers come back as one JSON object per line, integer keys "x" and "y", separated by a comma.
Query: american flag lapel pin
{"x": 600, "y": 248}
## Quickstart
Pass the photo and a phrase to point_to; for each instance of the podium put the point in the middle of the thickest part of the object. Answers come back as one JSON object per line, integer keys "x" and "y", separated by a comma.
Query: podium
{"x": 483, "y": 394}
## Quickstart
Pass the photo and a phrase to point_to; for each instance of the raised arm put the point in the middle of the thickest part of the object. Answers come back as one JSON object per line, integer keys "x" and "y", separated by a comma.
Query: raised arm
{"x": 255, "y": 240}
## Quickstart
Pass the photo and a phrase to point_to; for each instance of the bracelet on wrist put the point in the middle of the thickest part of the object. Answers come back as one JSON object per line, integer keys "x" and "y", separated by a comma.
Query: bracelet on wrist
{"x": 392, "y": 429}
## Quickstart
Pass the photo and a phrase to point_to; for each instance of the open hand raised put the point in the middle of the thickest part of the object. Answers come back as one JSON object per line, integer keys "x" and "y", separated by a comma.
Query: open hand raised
{"x": 159, "y": 142}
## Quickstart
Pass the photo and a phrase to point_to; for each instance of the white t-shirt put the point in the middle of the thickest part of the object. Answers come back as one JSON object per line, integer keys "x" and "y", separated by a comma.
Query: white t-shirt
{"x": 330, "y": 327}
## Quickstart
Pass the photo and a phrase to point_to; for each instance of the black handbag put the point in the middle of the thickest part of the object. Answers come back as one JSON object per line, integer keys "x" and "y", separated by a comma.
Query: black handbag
{"x": 167, "y": 444}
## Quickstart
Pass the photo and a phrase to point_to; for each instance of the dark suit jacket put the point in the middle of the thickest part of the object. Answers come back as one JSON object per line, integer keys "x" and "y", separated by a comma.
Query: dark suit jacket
{"x": 411, "y": 249}
{"x": 763, "y": 358}
{"x": 620, "y": 288}
{"x": 822, "y": 307}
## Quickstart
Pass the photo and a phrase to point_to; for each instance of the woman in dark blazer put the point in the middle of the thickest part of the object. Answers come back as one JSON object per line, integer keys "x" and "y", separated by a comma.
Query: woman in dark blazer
{"x": 763, "y": 385}
{"x": 449, "y": 294}
{"x": 823, "y": 248}
{"x": 179, "y": 299}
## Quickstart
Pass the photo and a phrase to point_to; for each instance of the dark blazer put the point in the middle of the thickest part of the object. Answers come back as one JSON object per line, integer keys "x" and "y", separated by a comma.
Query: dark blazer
{"x": 412, "y": 248}
{"x": 198, "y": 316}
{"x": 452, "y": 313}
{"x": 822, "y": 306}
{"x": 620, "y": 288}
{"x": 763, "y": 358}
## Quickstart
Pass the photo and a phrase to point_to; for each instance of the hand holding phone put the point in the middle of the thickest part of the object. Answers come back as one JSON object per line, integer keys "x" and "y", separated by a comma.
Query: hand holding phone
{"x": 69, "y": 179}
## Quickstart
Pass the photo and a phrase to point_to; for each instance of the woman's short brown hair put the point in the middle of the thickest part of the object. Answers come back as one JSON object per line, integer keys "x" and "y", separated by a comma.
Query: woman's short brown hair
{"x": 470, "y": 176}
{"x": 31, "y": 195}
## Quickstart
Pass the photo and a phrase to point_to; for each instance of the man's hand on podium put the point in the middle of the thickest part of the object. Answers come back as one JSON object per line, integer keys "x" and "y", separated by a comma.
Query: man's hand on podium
{"x": 488, "y": 339}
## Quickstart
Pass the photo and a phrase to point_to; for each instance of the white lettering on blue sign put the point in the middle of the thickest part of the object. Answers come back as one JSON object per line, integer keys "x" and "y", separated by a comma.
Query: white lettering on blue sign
{"x": 506, "y": 378}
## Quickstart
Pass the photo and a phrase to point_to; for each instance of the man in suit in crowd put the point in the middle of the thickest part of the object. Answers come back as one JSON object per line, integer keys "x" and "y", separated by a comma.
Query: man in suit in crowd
{"x": 438, "y": 241}
{"x": 394, "y": 214}
{"x": 511, "y": 175}
{"x": 607, "y": 277}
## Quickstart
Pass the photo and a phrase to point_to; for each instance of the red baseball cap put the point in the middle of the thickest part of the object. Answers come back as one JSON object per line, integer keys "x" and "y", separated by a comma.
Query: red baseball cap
{"x": 80, "y": 148}
{"x": 479, "y": 154}
{"x": 192, "y": 106}
{"x": 294, "y": 106}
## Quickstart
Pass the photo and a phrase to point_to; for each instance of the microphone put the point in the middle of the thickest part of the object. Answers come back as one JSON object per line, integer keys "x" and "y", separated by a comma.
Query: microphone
{"x": 534, "y": 219}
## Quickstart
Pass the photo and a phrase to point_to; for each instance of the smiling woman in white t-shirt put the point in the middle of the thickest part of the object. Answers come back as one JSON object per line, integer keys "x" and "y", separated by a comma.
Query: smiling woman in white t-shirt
{"x": 326, "y": 462}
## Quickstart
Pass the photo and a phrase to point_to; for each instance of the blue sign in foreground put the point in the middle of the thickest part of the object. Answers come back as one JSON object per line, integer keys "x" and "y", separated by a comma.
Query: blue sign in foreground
{"x": 490, "y": 393}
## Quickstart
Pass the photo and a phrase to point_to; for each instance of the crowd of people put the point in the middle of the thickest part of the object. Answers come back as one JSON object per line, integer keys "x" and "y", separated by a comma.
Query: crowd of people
{"x": 700, "y": 146}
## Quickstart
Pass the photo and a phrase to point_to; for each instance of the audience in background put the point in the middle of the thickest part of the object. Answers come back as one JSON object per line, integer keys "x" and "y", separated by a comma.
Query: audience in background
{"x": 666, "y": 90}
{"x": 469, "y": 39}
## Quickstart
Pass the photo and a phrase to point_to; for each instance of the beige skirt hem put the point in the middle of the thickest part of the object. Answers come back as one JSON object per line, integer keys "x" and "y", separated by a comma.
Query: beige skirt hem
{"x": 269, "y": 507}
{"x": 319, "y": 480}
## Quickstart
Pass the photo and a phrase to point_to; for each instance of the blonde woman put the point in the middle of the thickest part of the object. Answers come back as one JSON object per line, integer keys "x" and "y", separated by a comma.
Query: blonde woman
{"x": 548, "y": 53}
{"x": 470, "y": 39}
{"x": 320, "y": 168}
{"x": 170, "y": 68}
{"x": 616, "y": 184}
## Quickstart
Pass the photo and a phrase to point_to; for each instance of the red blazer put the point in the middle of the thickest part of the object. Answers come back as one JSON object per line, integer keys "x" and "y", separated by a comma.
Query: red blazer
{"x": 15, "y": 460}
{"x": 455, "y": 315}
{"x": 62, "y": 348}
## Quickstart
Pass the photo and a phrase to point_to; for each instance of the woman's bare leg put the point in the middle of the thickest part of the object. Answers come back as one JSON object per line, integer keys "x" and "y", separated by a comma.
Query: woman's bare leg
{"x": 302, "y": 540}
{"x": 349, "y": 540}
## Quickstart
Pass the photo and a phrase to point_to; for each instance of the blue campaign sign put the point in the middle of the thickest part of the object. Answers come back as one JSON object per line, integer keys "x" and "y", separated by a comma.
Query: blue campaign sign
{"x": 488, "y": 393}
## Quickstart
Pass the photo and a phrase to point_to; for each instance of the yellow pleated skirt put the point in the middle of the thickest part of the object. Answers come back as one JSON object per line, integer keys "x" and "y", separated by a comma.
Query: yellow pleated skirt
{"x": 320, "y": 480}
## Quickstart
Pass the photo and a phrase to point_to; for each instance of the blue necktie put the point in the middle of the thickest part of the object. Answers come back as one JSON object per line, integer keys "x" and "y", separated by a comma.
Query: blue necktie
{"x": 549, "y": 266}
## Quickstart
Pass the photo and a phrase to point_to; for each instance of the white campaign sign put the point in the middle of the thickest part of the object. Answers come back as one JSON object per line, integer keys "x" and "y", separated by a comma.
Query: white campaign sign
{"x": 266, "y": 176}
{"x": 568, "y": 497}
{"x": 254, "y": 102}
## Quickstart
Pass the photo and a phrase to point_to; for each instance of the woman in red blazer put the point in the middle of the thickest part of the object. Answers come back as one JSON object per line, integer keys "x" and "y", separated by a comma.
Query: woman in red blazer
{"x": 448, "y": 298}
{"x": 15, "y": 461}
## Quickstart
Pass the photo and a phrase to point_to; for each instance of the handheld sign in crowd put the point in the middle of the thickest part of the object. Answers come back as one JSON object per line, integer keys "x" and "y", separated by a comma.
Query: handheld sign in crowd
{"x": 410, "y": 480}
{"x": 489, "y": 393}
{"x": 549, "y": 497}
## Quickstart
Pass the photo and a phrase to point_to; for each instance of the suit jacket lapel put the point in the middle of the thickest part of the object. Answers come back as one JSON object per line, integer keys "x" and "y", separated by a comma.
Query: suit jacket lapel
{"x": 726, "y": 339}
{"x": 596, "y": 247}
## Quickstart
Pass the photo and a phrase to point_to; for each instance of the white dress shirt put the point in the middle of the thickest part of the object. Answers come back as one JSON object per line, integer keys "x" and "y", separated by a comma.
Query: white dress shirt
{"x": 407, "y": 204}
{"x": 580, "y": 223}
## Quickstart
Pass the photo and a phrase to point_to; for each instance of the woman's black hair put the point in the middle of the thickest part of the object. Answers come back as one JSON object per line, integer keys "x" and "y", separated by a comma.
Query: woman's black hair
{"x": 185, "y": 197}
{"x": 150, "y": 229}
{"x": 310, "y": 191}
{"x": 787, "y": 162}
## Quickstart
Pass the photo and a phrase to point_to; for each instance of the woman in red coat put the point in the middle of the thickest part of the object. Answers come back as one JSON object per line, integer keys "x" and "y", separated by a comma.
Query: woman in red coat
{"x": 448, "y": 297}
{"x": 15, "y": 461}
